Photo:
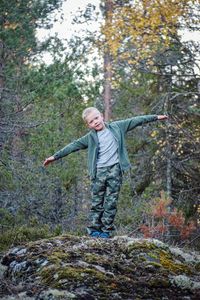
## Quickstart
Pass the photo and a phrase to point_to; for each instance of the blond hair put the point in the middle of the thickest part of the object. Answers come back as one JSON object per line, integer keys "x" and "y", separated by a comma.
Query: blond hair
{"x": 87, "y": 111}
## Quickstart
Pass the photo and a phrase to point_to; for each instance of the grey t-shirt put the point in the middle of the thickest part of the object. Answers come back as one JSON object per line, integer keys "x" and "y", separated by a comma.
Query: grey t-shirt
{"x": 108, "y": 149}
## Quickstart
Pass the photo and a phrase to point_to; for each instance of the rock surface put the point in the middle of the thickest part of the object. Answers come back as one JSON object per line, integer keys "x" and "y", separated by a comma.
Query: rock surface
{"x": 71, "y": 267}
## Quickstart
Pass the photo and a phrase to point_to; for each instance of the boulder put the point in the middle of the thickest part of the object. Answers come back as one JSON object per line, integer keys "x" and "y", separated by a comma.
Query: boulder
{"x": 72, "y": 267}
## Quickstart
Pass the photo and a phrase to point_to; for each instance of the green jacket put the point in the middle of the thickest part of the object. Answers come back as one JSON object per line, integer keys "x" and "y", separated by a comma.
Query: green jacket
{"x": 90, "y": 141}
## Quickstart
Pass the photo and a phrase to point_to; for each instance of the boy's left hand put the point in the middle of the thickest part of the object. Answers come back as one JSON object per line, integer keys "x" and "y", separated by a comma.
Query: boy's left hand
{"x": 163, "y": 117}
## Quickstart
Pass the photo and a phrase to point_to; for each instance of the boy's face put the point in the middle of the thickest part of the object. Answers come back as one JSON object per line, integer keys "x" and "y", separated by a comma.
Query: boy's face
{"x": 95, "y": 120}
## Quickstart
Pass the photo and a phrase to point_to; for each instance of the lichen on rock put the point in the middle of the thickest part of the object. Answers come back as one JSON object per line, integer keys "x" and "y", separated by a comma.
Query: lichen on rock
{"x": 72, "y": 267}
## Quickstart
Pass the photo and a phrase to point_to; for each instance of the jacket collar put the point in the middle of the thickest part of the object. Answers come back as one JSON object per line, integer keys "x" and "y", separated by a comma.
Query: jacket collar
{"x": 94, "y": 136}
{"x": 94, "y": 133}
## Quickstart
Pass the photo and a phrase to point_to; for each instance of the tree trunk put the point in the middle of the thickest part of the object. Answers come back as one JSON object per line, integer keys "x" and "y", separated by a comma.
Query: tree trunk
{"x": 167, "y": 109}
{"x": 107, "y": 86}
{"x": 107, "y": 94}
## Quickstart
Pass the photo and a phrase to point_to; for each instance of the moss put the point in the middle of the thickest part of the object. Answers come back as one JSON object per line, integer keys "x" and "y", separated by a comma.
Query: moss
{"x": 58, "y": 276}
{"x": 96, "y": 274}
{"x": 145, "y": 252}
{"x": 68, "y": 237}
{"x": 91, "y": 257}
{"x": 152, "y": 259}
{"x": 47, "y": 274}
{"x": 197, "y": 267}
{"x": 58, "y": 257}
{"x": 139, "y": 245}
{"x": 95, "y": 258}
{"x": 153, "y": 255}
{"x": 167, "y": 262}
{"x": 157, "y": 257}
{"x": 119, "y": 283}
{"x": 77, "y": 275}
{"x": 64, "y": 239}
{"x": 70, "y": 273}
{"x": 159, "y": 282}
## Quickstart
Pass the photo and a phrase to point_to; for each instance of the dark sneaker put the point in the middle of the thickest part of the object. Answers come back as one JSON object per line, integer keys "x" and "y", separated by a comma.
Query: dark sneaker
{"x": 95, "y": 233}
{"x": 104, "y": 235}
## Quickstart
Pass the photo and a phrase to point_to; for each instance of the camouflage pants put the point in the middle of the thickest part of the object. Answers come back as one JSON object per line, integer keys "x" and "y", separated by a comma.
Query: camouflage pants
{"x": 105, "y": 192}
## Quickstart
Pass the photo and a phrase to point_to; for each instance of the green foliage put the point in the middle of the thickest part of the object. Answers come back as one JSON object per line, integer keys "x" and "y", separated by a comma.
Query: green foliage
{"x": 6, "y": 218}
{"x": 18, "y": 235}
{"x": 41, "y": 111}
{"x": 163, "y": 155}
{"x": 14, "y": 230}
{"x": 6, "y": 178}
{"x": 39, "y": 103}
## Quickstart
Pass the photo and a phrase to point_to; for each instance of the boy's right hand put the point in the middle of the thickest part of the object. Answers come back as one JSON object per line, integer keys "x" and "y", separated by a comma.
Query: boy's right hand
{"x": 48, "y": 161}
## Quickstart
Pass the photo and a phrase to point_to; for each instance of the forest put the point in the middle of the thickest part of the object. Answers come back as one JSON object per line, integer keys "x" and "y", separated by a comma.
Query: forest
{"x": 136, "y": 63}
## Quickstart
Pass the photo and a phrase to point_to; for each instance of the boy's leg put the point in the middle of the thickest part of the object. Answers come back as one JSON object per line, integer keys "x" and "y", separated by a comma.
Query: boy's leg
{"x": 98, "y": 190}
{"x": 113, "y": 183}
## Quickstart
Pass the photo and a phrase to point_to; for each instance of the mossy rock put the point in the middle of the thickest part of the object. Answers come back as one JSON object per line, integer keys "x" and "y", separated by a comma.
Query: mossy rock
{"x": 89, "y": 268}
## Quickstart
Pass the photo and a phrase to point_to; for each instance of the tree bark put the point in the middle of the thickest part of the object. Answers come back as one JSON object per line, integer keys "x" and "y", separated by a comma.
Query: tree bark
{"x": 107, "y": 94}
{"x": 107, "y": 86}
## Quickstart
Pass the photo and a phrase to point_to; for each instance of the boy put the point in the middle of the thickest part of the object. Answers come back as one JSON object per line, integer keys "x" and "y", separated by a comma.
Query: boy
{"x": 107, "y": 160}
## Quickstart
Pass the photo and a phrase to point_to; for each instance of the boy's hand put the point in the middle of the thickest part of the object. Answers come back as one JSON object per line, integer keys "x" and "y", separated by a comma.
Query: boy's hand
{"x": 163, "y": 117}
{"x": 48, "y": 161}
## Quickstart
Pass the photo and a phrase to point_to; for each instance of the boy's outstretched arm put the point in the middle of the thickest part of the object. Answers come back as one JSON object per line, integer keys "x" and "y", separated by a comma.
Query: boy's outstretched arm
{"x": 163, "y": 117}
{"x": 81, "y": 143}
{"x": 131, "y": 123}
{"x": 48, "y": 161}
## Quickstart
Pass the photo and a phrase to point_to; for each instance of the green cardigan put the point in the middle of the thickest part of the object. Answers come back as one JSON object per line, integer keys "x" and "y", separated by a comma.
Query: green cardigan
{"x": 90, "y": 141}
